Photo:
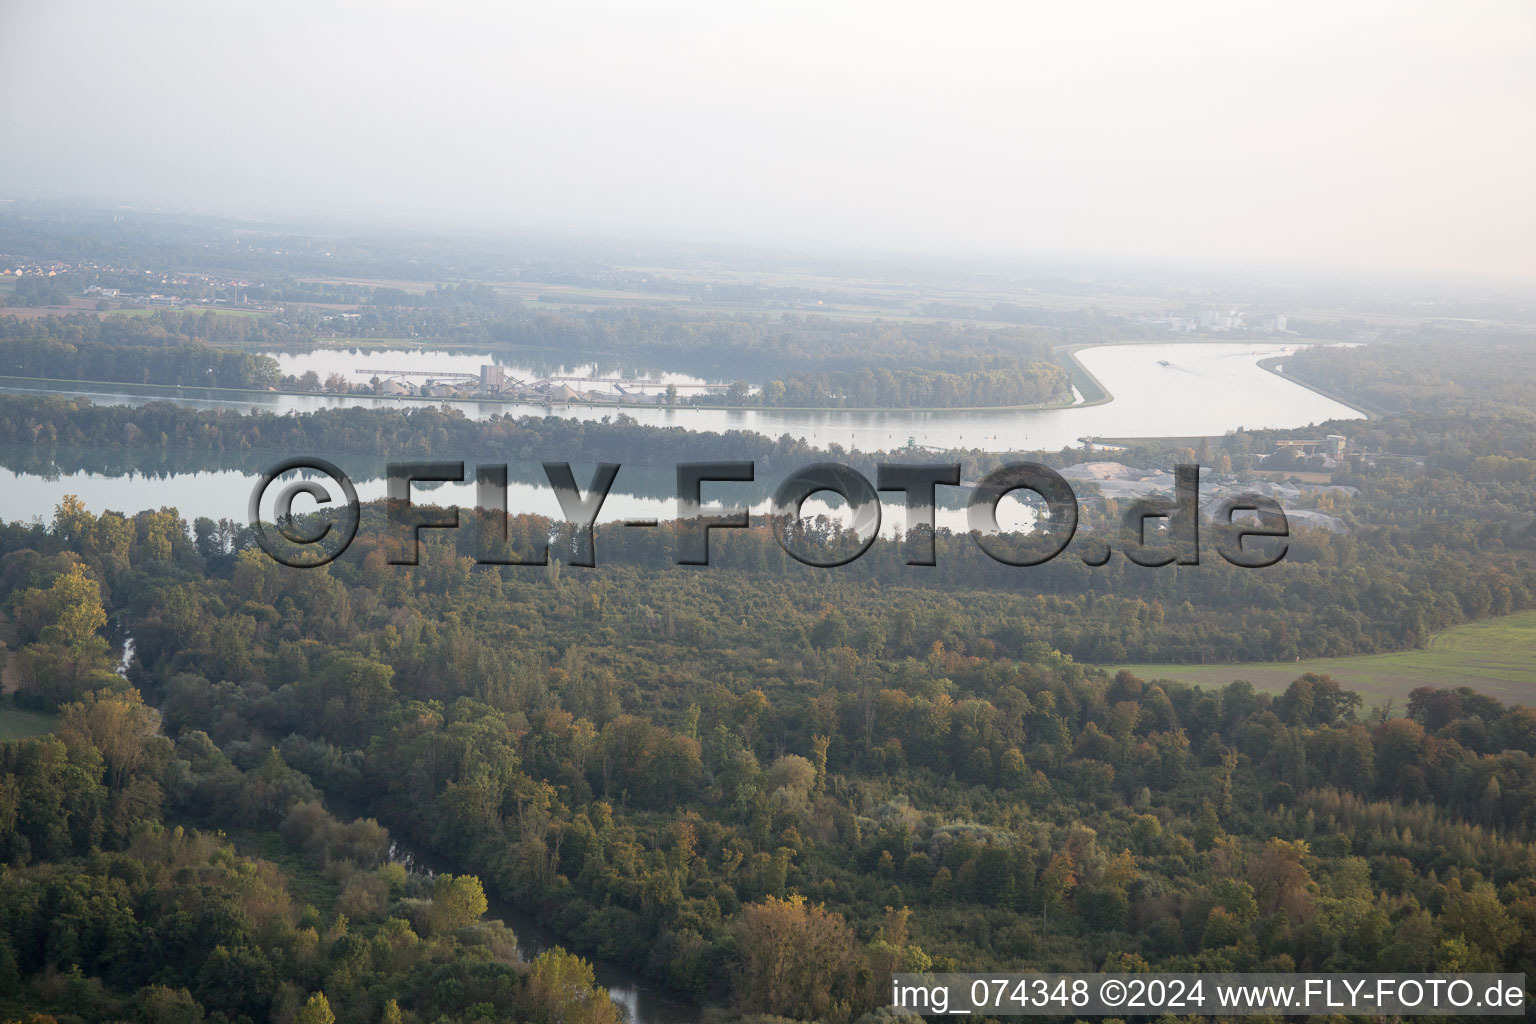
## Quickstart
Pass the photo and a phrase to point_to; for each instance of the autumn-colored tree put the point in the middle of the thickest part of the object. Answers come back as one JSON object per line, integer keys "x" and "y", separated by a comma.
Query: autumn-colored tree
{"x": 1281, "y": 882}
{"x": 67, "y": 617}
{"x": 562, "y": 989}
{"x": 797, "y": 959}
{"x": 1056, "y": 883}
{"x": 119, "y": 725}
{"x": 317, "y": 1010}
{"x": 457, "y": 901}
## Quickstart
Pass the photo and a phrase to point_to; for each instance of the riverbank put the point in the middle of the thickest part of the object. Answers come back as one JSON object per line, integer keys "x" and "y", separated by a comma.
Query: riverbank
{"x": 1273, "y": 364}
{"x": 173, "y": 391}
{"x": 1088, "y": 386}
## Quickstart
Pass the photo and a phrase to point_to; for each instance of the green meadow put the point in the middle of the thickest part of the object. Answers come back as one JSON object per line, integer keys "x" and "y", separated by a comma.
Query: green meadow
{"x": 16, "y": 724}
{"x": 1496, "y": 657}
{"x": 218, "y": 310}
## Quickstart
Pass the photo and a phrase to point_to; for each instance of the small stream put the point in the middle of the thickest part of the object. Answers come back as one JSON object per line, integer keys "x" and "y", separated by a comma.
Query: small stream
{"x": 641, "y": 1001}
{"x": 126, "y": 660}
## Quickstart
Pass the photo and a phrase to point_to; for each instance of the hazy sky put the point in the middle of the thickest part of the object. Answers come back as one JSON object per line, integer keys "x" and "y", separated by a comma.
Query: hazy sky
{"x": 1393, "y": 134}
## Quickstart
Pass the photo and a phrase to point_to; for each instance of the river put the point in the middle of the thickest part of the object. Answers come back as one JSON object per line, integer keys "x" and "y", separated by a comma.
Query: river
{"x": 219, "y": 487}
{"x": 1177, "y": 389}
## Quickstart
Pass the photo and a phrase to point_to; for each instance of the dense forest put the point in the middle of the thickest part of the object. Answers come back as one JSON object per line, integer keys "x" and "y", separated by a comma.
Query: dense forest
{"x": 766, "y": 796}
{"x": 162, "y": 329}
{"x": 1452, "y": 397}
{"x": 130, "y": 350}
{"x": 108, "y": 911}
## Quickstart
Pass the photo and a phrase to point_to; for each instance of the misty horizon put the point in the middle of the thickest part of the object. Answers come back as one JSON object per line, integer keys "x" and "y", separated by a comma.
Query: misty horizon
{"x": 1378, "y": 138}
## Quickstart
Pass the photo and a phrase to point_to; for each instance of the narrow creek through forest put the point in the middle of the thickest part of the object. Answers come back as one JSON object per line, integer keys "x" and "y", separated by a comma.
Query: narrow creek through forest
{"x": 642, "y": 1001}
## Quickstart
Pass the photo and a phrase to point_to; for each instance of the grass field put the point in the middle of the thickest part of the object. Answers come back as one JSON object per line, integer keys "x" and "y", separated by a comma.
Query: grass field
{"x": 16, "y": 724}
{"x": 1496, "y": 657}
{"x": 220, "y": 310}
{"x": 305, "y": 882}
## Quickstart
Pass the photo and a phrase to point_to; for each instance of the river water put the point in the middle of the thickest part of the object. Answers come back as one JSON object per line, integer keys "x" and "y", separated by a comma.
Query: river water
{"x": 220, "y": 488}
{"x": 1178, "y": 389}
